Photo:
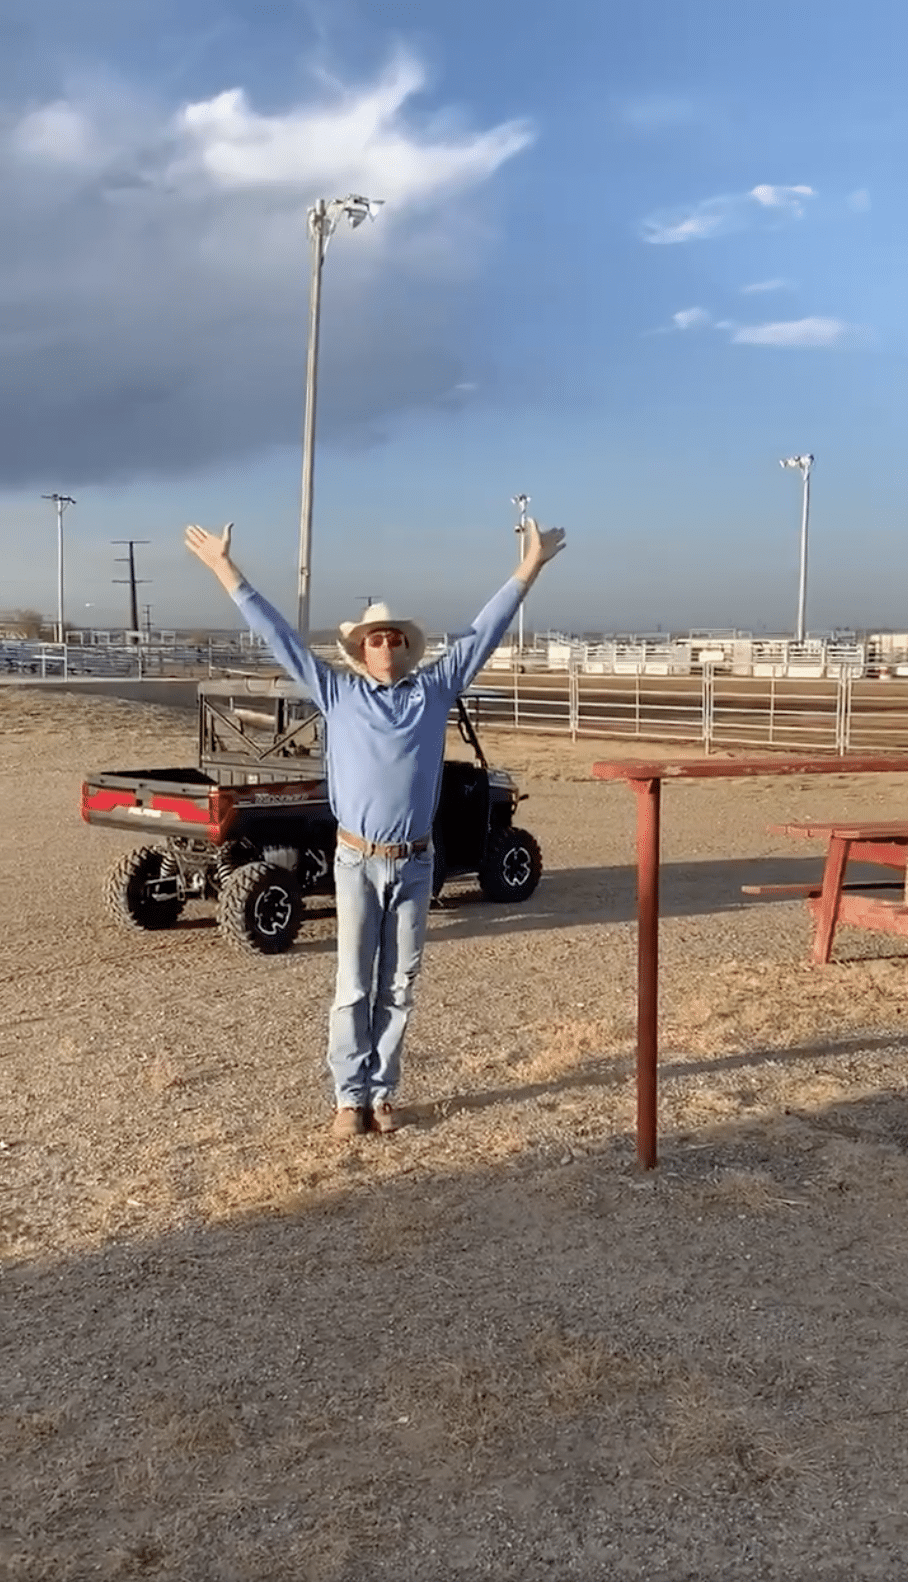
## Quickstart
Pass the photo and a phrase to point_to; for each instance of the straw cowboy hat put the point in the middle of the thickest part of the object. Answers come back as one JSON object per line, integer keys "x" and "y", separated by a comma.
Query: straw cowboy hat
{"x": 379, "y": 618}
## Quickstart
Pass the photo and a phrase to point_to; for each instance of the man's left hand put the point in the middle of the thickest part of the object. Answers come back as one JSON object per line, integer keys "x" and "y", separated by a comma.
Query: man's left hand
{"x": 544, "y": 545}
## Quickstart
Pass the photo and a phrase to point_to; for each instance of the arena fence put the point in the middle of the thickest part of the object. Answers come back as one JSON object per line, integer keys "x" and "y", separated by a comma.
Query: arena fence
{"x": 838, "y": 711}
{"x": 136, "y": 660}
{"x": 834, "y": 714}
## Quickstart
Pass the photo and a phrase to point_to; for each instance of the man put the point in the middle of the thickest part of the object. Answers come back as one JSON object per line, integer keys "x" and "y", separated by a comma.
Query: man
{"x": 385, "y": 745}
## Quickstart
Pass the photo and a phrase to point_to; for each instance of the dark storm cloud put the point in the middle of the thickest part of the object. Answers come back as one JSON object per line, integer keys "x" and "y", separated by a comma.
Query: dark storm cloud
{"x": 154, "y": 273}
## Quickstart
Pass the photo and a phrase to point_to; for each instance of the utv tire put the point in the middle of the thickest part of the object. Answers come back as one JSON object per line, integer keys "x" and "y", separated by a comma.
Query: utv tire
{"x": 512, "y": 867}
{"x": 133, "y": 891}
{"x": 260, "y": 908}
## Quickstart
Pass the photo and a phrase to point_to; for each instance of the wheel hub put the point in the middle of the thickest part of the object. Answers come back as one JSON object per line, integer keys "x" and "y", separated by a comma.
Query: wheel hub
{"x": 272, "y": 911}
{"x": 516, "y": 866}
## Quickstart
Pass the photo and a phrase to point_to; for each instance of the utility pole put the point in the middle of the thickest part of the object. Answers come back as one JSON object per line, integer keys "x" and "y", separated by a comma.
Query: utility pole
{"x": 132, "y": 580}
{"x": 61, "y": 501}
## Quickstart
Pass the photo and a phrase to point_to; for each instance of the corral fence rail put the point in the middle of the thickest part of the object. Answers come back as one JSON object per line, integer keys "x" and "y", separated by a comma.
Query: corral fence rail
{"x": 837, "y": 713}
{"x": 650, "y": 692}
{"x": 135, "y": 660}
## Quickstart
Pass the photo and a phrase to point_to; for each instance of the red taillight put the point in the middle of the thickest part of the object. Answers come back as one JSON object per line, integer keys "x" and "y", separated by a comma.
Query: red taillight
{"x": 103, "y": 801}
{"x": 186, "y": 810}
{"x": 220, "y": 805}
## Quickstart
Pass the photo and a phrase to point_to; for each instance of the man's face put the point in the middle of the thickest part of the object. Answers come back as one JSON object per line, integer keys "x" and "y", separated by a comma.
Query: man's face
{"x": 386, "y": 654}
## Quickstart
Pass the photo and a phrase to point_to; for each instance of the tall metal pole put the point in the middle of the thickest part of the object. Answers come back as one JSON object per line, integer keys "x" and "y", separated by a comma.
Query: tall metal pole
{"x": 521, "y": 501}
{"x": 317, "y": 218}
{"x": 803, "y": 464}
{"x": 60, "y": 621}
{"x": 322, "y": 218}
{"x": 61, "y": 501}
{"x": 802, "y": 585}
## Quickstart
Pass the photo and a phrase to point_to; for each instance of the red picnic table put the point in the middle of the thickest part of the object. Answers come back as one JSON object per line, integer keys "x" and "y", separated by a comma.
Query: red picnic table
{"x": 645, "y": 779}
{"x": 832, "y": 900}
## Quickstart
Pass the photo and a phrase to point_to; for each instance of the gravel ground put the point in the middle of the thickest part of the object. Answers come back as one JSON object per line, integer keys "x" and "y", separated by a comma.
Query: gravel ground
{"x": 487, "y": 1347}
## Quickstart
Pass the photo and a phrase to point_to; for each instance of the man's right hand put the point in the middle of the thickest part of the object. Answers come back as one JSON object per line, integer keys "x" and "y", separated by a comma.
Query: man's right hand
{"x": 213, "y": 550}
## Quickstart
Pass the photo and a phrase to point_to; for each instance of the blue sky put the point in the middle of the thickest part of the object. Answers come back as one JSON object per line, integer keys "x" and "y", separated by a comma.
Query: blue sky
{"x": 631, "y": 254}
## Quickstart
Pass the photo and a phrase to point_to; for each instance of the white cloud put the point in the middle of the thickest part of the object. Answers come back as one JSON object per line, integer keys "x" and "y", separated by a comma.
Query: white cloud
{"x": 357, "y": 141}
{"x": 692, "y": 319}
{"x": 57, "y": 133}
{"x": 706, "y": 220}
{"x": 810, "y": 333}
{"x": 159, "y": 257}
{"x": 728, "y": 212}
{"x": 859, "y": 201}
{"x": 764, "y": 285}
{"x": 782, "y": 197}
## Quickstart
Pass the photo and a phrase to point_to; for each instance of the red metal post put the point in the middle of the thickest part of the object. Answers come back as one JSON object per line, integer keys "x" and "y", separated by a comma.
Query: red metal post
{"x": 648, "y": 809}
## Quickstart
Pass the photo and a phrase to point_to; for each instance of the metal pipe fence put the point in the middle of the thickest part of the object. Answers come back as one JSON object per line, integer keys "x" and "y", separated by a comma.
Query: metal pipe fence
{"x": 837, "y": 713}
{"x": 65, "y": 661}
{"x": 639, "y": 705}
{"x": 776, "y": 712}
{"x": 834, "y": 714}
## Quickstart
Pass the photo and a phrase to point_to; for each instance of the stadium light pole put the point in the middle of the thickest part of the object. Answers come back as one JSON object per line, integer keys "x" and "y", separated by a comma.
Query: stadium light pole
{"x": 61, "y": 501}
{"x": 803, "y": 464}
{"x": 322, "y": 221}
{"x": 521, "y": 501}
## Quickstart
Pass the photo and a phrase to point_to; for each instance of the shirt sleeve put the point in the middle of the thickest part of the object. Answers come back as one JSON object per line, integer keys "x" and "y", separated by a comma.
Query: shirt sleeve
{"x": 467, "y": 655}
{"x": 288, "y": 648}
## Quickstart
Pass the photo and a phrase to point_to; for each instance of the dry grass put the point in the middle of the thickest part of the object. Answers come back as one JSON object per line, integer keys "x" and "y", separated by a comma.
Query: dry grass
{"x": 231, "y": 1349}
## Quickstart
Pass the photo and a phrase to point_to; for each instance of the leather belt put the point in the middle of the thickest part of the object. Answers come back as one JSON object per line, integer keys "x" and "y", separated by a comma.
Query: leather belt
{"x": 377, "y": 848}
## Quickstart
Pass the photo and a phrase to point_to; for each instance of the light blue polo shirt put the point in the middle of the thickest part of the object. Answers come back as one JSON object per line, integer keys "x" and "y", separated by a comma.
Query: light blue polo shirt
{"x": 385, "y": 744}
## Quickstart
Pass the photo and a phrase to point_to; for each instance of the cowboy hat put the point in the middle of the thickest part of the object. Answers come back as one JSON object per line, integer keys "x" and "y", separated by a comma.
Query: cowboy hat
{"x": 379, "y": 618}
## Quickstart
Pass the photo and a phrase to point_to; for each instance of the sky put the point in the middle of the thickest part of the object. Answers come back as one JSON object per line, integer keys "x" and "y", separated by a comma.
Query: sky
{"x": 630, "y": 255}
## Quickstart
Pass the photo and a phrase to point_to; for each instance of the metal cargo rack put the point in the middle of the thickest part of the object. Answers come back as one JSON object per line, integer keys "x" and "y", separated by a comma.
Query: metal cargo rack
{"x": 255, "y": 731}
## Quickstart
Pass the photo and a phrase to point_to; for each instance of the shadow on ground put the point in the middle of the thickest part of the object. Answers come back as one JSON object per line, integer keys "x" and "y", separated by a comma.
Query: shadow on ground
{"x": 568, "y": 897}
{"x": 554, "y": 1367}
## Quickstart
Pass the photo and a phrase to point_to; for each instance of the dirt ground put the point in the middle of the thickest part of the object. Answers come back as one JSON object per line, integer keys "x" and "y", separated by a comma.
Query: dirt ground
{"x": 232, "y": 1349}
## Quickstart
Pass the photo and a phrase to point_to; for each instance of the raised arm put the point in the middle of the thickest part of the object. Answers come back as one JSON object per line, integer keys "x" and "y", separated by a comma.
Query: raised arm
{"x": 288, "y": 648}
{"x": 468, "y": 654}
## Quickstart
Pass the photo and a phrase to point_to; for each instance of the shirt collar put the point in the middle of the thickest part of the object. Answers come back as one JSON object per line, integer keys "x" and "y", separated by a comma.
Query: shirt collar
{"x": 386, "y": 686}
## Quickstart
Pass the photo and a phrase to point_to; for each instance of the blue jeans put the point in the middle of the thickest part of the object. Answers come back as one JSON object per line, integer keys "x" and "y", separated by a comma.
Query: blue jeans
{"x": 382, "y": 907}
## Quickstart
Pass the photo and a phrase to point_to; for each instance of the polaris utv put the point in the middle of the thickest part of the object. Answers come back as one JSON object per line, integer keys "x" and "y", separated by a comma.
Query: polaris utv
{"x": 251, "y": 827}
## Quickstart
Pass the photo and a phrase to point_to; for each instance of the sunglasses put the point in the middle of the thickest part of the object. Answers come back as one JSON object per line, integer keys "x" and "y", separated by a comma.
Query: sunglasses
{"x": 379, "y": 639}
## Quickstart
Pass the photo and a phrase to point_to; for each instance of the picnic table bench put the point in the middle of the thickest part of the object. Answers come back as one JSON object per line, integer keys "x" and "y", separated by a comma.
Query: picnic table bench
{"x": 831, "y": 899}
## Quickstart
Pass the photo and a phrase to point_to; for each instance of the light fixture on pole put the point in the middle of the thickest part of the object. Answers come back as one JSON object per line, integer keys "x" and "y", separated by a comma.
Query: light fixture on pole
{"x": 803, "y": 464}
{"x": 521, "y": 501}
{"x": 61, "y": 501}
{"x": 322, "y": 221}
